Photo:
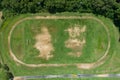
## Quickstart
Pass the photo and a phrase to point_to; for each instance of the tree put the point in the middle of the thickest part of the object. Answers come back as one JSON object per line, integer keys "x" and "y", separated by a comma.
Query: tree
{"x": 0, "y": 5}
{"x": 118, "y": 1}
{"x": 107, "y": 8}
{"x": 117, "y": 18}
{"x": 9, "y": 75}
{"x": 6, "y": 67}
{"x": 54, "y": 6}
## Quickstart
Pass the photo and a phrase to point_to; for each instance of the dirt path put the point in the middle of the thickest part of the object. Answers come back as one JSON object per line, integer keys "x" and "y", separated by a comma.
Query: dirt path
{"x": 69, "y": 76}
{"x": 79, "y": 65}
{"x": 0, "y": 15}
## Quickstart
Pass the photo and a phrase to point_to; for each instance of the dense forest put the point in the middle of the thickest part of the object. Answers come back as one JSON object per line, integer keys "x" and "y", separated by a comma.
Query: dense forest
{"x": 107, "y": 8}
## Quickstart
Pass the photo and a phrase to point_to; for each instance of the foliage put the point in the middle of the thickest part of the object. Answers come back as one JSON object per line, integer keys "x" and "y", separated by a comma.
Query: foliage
{"x": 107, "y": 8}
{"x": 9, "y": 75}
{"x": 5, "y": 67}
{"x": 5, "y": 74}
{"x": 117, "y": 17}
{"x": 54, "y": 5}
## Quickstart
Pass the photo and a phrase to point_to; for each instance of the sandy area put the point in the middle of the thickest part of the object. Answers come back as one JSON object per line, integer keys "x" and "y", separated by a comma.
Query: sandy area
{"x": 74, "y": 42}
{"x": 0, "y": 16}
{"x": 18, "y": 78}
{"x": 43, "y": 44}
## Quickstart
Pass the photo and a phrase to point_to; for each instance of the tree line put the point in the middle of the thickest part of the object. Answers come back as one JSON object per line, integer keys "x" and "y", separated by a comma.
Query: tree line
{"x": 107, "y": 8}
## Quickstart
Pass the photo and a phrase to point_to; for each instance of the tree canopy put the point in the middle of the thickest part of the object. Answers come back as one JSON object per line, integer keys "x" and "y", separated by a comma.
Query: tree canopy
{"x": 107, "y": 8}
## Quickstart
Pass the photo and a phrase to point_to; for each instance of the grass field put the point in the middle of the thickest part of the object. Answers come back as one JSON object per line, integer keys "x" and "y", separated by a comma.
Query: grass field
{"x": 92, "y": 51}
{"x": 96, "y": 43}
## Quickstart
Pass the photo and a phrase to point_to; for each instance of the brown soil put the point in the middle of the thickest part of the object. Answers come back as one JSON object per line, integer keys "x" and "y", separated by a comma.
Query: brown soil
{"x": 43, "y": 44}
{"x": 73, "y": 42}
{"x": 84, "y": 66}
{"x": 18, "y": 78}
{"x": 0, "y": 16}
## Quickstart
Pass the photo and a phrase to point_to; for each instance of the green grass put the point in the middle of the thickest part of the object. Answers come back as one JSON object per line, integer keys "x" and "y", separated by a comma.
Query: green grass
{"x": 2, "y": 75}
{"x": 24, "y": 52}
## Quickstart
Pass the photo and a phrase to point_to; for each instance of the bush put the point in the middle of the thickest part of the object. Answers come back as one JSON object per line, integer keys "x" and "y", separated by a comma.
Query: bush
{"x": 5, "y": 67}
{"x": 10, "y": 75}
{"x": 8, "y": 14}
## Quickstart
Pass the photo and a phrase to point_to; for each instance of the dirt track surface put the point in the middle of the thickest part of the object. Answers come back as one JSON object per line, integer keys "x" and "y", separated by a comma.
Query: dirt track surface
{"x": 0, "y": 15}
{"x": 79, "y": 65}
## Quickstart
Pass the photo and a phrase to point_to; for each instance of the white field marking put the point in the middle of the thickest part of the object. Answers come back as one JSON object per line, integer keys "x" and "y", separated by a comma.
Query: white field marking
{"x": 101, "y": 60}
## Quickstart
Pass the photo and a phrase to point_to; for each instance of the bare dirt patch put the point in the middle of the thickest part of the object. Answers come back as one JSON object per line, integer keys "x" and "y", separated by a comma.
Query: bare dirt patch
{"x": 84, "y": 66}
{"x": 43, "y": 44}
{"x": 18, "y": 78}
{"x": 74, "y": 42}
{"x": 0, "y": 16}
